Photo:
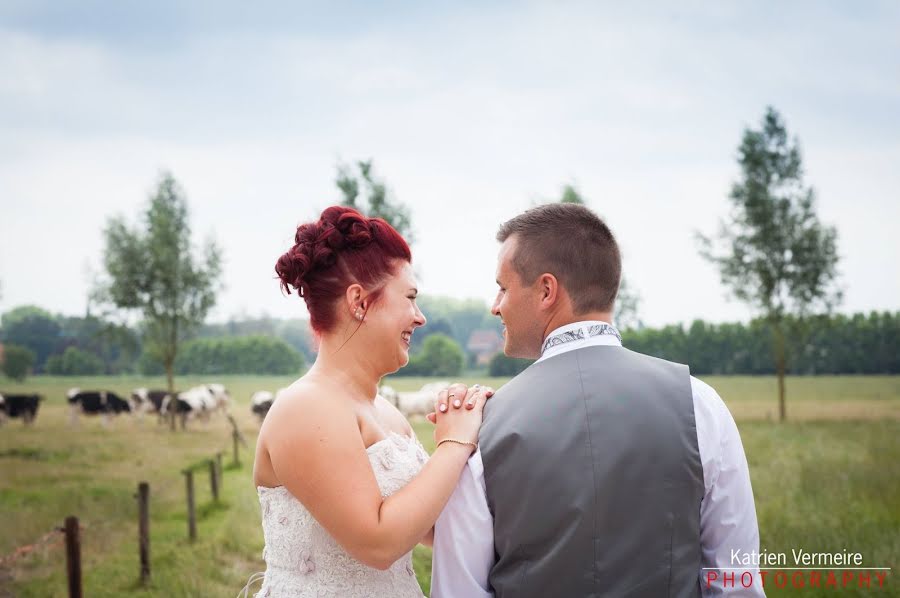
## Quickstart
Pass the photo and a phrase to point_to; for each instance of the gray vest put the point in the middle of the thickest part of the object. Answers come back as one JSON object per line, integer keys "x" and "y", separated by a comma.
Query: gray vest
{"x": 594, "y": 479}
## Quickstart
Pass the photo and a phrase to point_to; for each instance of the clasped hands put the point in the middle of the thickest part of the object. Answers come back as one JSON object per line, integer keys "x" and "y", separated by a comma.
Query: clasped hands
{"x": 455, "y": 415}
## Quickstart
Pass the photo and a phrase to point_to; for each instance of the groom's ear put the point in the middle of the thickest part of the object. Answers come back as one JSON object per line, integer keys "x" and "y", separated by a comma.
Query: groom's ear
{"x": 549, "y": 290}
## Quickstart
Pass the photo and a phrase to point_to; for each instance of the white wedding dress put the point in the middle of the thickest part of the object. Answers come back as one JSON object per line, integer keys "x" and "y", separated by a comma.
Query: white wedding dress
{"x": 303, "y": 560}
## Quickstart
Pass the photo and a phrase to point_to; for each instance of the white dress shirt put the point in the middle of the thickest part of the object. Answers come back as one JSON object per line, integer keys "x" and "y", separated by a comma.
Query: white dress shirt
{"x": 464, "y": 532}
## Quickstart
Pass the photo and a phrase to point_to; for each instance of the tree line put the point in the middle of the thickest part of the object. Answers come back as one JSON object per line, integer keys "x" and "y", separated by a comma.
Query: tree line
{"x": 36, "y": 341}
{"x": 835, "y": 344}
{"x": 827, "y": 344}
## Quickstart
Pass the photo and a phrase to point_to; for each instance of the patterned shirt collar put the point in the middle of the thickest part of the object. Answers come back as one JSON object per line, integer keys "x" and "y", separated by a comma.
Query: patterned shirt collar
{"x": 579, "y": 331}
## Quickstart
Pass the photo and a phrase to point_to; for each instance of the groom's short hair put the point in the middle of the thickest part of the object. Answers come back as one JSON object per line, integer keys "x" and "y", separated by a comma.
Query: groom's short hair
{"x": 572, "y": 243}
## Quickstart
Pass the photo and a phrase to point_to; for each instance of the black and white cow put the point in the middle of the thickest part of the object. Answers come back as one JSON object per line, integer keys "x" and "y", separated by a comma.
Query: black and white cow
{"x": 262, "y": 400}
{"x": 24, "y": 406}
{"x": 198, "y": 402}
{"x": 176, "y": 407}
{"x": 260, "y": 403}
{"x": 220, "y": 394}
{"x": 144, "y": 400}
{"x": 95, "y": 402}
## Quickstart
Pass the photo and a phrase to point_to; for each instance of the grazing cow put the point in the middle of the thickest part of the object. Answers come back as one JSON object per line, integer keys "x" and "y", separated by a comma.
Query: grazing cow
{"x": 144, "y": 401}
{"x": 260, "y": 403}
{"x": 202, "y": 399}
{"x": 420, "y": 402}
{"x": 176, "y": 407}
{"x": 262, "y": 400}
{"x": 24, "y": 406}
{"x": 220, "y": 394}
{"x": 95, "y": 402}
{"x": 199, "y": 402}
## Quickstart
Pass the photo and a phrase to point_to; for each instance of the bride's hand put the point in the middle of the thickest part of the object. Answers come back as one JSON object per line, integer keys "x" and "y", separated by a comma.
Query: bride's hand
{"x": 459, "y": 424}
{"x": 444, "y": 402}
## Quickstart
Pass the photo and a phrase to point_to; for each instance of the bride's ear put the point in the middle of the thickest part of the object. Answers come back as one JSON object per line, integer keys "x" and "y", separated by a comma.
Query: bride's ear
{"x": 355, "y": 303}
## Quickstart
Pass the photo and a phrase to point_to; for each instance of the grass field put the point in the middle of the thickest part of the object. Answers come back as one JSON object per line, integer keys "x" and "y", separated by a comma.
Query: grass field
{"x": 826, "y": 481}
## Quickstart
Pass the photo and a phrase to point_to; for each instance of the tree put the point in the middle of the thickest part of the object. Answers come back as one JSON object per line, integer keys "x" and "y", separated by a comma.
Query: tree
{"x": 17, "y": 362}
{"x": 75, "y": 362}
{"x": 116, "y": 345}
{"x": 152, "y": 270}
{"x": 772, "y": 251}
{"x": 571, "y": 195}
{"x": 34, "y": 328}
{"x": 440, "y": 356}
{"x": 379, "y": 203}
{"x": 436, "y": 325}
{"x": 464, "y": 316}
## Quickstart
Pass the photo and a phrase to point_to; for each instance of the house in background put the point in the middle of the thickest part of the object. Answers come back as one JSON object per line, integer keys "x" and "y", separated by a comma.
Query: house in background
{"x": 484, "y": 344}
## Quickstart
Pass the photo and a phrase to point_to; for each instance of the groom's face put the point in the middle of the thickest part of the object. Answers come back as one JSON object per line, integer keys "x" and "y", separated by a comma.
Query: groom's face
{"x": 517, "y": 305}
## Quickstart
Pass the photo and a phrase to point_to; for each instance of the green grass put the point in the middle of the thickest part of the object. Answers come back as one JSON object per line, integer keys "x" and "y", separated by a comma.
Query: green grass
{"x": 51, "y": 470}
{"x": 826, "y": 487}
{"x": 827, "y": 480}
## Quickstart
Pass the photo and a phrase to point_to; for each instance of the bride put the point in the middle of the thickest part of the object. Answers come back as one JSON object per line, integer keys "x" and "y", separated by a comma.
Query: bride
{"x": 345, "y": 488}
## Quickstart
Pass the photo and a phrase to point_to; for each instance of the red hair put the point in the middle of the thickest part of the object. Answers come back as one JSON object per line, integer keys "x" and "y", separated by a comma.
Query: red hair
{"x": 342, "y": 248}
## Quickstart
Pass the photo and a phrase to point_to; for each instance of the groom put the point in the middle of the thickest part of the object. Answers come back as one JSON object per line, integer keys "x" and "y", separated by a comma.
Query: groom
{"x": 600, "y": 471}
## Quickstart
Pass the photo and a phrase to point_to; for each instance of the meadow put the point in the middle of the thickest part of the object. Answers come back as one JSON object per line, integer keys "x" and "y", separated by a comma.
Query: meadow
{"x": 827, "y": 480}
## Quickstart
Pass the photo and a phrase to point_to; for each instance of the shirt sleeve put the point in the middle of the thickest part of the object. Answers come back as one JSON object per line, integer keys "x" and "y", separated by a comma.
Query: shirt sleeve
{"x": 464, "y": 539}
{"x": 727, "y": 512}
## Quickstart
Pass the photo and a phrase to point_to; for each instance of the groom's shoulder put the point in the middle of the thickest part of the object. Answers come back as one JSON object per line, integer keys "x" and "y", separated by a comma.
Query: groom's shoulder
{"x": 539, "y": 373}
{"x": 654, "y": 362}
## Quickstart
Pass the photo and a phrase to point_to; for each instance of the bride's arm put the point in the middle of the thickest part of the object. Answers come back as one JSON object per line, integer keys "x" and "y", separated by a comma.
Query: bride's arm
{"x": 428, "y": 540}
{"x": 318, "y": 454}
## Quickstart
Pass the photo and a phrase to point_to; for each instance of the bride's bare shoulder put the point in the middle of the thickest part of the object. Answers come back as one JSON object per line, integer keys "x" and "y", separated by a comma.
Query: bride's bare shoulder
{"x": 306, "y": 403}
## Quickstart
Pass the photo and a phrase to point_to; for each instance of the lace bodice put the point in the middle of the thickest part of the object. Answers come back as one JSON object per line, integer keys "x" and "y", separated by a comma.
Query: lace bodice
{"x": 303, "y": 560}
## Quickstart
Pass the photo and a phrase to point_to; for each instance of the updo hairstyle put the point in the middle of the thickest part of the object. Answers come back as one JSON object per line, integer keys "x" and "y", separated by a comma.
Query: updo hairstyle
{"x": 342, "y": 248}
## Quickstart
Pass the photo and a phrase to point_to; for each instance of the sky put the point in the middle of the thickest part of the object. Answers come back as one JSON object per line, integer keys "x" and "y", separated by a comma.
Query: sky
{"x": 472, "y": 113}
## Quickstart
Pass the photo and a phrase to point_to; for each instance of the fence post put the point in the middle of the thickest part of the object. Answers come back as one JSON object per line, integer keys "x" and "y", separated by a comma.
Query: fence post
{"x": 191, "y": 514}
{"x": 73, "y": 557}
{"x": 219, "y": 467}
{"x": 235, "y": 436}
{"x": 214, "y": 480}
{"x": 144, "y": 530}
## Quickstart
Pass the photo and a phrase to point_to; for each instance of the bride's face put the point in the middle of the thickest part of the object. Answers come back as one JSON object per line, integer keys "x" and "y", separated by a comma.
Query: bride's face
{"x": 390, "y": 322}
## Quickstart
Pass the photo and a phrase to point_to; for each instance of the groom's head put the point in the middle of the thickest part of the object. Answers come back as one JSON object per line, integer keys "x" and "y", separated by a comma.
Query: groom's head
{"x": 558, "y": 263}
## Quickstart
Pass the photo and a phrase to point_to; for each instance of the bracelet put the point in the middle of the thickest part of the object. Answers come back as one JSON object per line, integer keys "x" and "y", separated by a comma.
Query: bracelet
{"x": 472, "y": 444}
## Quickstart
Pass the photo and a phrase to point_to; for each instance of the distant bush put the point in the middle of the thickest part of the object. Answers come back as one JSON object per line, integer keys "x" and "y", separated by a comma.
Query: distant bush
{"x": 238, "y": 355}
{"x": 440, "y": 356}
{"x": 75, "y": 362}
{"x": 17, "y": 362}
{"x": 501, "y": 365}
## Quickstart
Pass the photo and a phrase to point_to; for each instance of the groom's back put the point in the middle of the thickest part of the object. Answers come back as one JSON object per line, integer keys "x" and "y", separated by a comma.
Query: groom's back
{"x": 594, "y": 479}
